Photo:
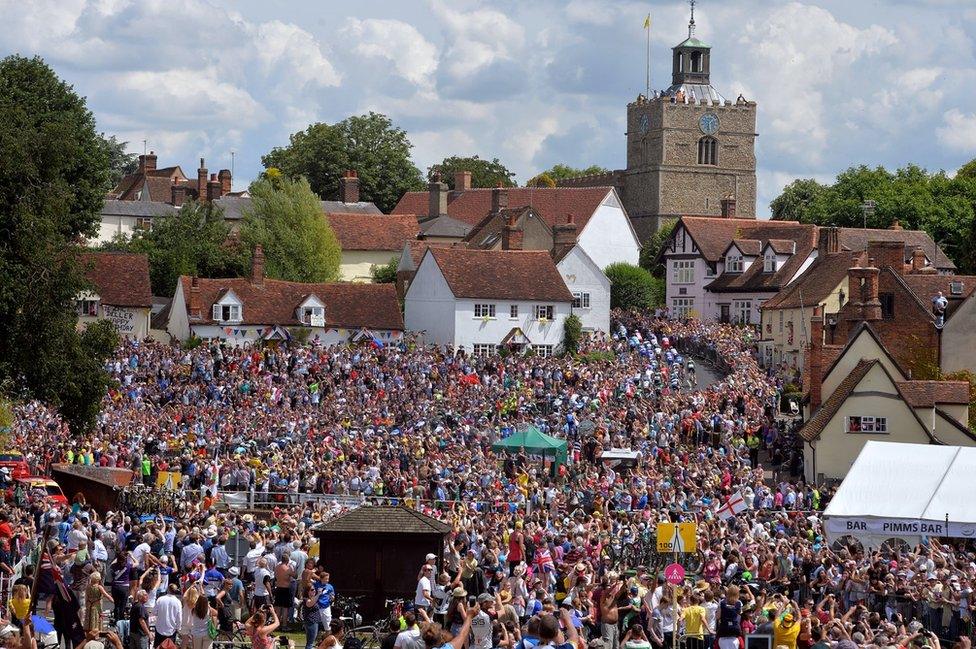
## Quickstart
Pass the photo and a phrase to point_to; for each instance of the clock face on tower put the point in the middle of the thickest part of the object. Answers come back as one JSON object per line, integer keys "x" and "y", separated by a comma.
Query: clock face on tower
{"x": 708, "y": 123}
{"x": 643, "y": 124}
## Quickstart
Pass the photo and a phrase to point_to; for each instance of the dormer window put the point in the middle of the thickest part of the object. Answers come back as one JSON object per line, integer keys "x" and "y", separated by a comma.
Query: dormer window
{"x": 313, "y": 316}
{"x": 769, "y": 262}
{"x": 733, "y": 263}
{"x": 227, "y": 312}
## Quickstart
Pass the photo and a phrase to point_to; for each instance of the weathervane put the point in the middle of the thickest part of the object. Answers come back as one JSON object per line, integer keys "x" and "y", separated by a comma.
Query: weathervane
{"x": 691, "y": 23}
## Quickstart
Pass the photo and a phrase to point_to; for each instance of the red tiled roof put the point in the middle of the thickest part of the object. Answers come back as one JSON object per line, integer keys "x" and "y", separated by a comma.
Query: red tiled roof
{"x": 754, "y": 279}
{"x": 713, "y": 235}
{"x": 814, "y": 285}
{"x": 748, "y": 247}
{"x": 831, "y": 406}
{"x": 926, "y": 286}
{"x": 373, "y": 231}
{"x": 501, "y": 274}
{"x": 782, "y": 246}
{"x": 552, "y": 204}
{"x": 119, "y": 278}
{"x": 925, "y": 394}
{"x": 275, "y": 302}
{"x": 856, "y": 239}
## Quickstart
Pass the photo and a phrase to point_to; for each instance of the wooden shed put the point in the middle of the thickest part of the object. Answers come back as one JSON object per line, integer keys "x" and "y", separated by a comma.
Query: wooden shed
{"x": 377, "y": 552}
{"x": 100, "y": 485}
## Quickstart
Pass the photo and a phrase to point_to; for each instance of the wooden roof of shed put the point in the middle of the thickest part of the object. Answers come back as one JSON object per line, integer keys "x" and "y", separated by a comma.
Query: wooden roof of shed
{"x": 383, "y": 518}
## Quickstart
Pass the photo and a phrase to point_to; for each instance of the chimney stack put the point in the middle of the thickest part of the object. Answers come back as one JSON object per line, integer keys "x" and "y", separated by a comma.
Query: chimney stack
{"x": 815, "y": 359}
{"x": 895, "y": 226}
{"x": 918, "y": 259}
{"x": 462, "y": 181}
{"x": 437, "y": 192}
{"x": 888, "y": 254}
{"x": 257, "y": 266}
{"x": 728, "y": 207}
{"x": 511, "y": 234}
{"x": 349, "y": 187}
{"x": 202, "y": 182}
{"x": 226, "y": 182}
{"x": 829, "y": 241}
{"x": 564, "y": 234}
{"x": 177, "y": 194}
{"x": 213, "y": 188}
{"x": 499, "y": 199}
{"x": 870, "y": 302}
{"x": 195, "y": 297}
{"x": 147, "y": 162}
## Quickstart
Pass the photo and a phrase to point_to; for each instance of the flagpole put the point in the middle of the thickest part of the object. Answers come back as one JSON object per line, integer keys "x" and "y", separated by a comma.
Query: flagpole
{"x": 647, "y": 90}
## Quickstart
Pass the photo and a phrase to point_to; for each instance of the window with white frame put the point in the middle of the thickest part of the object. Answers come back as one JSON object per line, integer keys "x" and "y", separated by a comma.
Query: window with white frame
{"x": 312, "y": 314}
{"x": 87, "y": 308}
{"x": 683, "y": 271}
{"x": 227, "y": 312}
{"x": 545, "y": 351}
{"x": 544, "y": 311}
{"x": 484, "y": 310}
{"x": 742, "y": 311}
{"x": 781, "y": 321}
{"x": 733, "y": 263}
{"x": 483, "y": 349}
{"x": 143, "y": 223}
{"x": 513, "y": 312}
{"x": 769, "y": 262}
{"x": 681, "y": 307}
{"x": 709, "y": 270}
{"x": 876, "y": 425}
{"x": 581, "y": 300}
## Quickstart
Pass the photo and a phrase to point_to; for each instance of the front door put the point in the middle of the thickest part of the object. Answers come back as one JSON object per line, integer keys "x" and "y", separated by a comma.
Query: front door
{"x": 723, "y": 315}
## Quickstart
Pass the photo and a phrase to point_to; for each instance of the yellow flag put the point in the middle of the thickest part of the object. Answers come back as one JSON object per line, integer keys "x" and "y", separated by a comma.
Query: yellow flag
{"x": 647, "y": 22}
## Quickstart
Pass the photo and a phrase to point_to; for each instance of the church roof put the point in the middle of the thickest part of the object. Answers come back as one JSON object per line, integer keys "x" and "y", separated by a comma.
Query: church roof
{"x": 696, "y": 93}
{"x": 692, "y": 41}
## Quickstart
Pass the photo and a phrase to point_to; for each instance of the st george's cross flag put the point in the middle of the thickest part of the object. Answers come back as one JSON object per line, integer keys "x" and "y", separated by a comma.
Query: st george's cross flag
{"x": 732, "y": 506}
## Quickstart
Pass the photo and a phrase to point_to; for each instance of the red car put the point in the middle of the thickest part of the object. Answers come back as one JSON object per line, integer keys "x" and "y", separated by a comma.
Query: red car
{"x": 14, "y": 460}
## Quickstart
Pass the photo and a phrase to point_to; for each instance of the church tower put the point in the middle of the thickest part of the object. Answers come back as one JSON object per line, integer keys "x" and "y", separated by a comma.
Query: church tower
{"x": 689, "y": 149}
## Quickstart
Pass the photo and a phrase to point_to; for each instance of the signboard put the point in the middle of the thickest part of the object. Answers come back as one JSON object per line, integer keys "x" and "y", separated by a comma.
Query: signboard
{"x": 677, "y": 537}
{"x": 674, "y": 574}
{"x": 169, "y": 479}
{"x": 123, "y": 319}
{"x": 842, "y": 525}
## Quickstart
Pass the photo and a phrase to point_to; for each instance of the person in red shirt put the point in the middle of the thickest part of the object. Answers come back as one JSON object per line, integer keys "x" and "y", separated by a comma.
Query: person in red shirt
{"x": 6, "y": 532}
{"x": 516, "y": 547}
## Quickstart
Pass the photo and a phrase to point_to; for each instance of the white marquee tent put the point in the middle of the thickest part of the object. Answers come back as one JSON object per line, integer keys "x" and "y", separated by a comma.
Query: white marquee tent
{"x": 905, "y": 491}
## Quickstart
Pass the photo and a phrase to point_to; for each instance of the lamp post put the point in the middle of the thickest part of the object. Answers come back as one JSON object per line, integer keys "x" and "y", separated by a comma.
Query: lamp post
{"x": 867, "y": 209}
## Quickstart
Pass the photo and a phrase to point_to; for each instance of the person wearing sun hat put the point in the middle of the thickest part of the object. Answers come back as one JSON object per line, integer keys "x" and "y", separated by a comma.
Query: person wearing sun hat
{"x": 786, "y": 627}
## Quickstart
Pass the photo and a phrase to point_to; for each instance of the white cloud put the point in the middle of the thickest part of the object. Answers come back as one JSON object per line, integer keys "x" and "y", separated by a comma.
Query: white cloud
{"x": 288, "y": 49}
{"x": 795, "y": 52}
{"x": 413, "y": 56}
{"x": 477, "y": 38}
{"x": 958, "y": 131}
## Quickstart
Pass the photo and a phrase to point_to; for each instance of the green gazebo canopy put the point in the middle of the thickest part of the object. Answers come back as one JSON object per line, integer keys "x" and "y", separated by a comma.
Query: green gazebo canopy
{"x": 535, "y": 442}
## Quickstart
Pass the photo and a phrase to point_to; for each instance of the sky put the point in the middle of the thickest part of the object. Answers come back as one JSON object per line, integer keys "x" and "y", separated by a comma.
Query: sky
{"x": 531, "y": 82}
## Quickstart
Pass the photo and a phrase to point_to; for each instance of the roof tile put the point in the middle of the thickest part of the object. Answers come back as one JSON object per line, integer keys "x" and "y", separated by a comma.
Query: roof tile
{"x": 501, "y": 274}
{"x": 119, "y": 278}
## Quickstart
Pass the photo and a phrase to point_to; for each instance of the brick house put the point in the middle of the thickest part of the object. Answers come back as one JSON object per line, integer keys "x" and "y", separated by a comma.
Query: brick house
{"x": 896, "y": 298}
{"x": 860, "y": 392}
{"x": 120, "y": 292}
{"x": 249, "y": 310}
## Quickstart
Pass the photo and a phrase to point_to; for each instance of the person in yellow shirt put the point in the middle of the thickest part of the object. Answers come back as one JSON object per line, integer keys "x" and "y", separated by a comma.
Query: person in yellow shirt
{"x": 695, "y": 623}
{"x": 786, "y": 628}
{"x": 20, "y": 602}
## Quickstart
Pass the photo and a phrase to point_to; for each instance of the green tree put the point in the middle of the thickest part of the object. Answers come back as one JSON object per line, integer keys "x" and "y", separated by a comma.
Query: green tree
{"x": 542, "y": 180}
{"x": 120, "y": 163}
{"x": 369, "y": 144}
{"x": 944, "y": 207}
{"x": 484, "y": 173}
{"x": 651, "y": 252}
{"x": 52, "y": 183}
{"x": 561, "y": 172}
{"x": 968, "y": 170}
{"x": 792, "y": 204}
{"x": 288, "y": 222}
{"x": 195, "y": 241}
{"x": 385, "y": 274}
{"x": 572, "y": 334}
{"x": 632, "y": 287}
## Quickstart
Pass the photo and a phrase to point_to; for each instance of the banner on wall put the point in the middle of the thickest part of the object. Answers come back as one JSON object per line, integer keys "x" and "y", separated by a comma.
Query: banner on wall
{"x": 848, "y": 525}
